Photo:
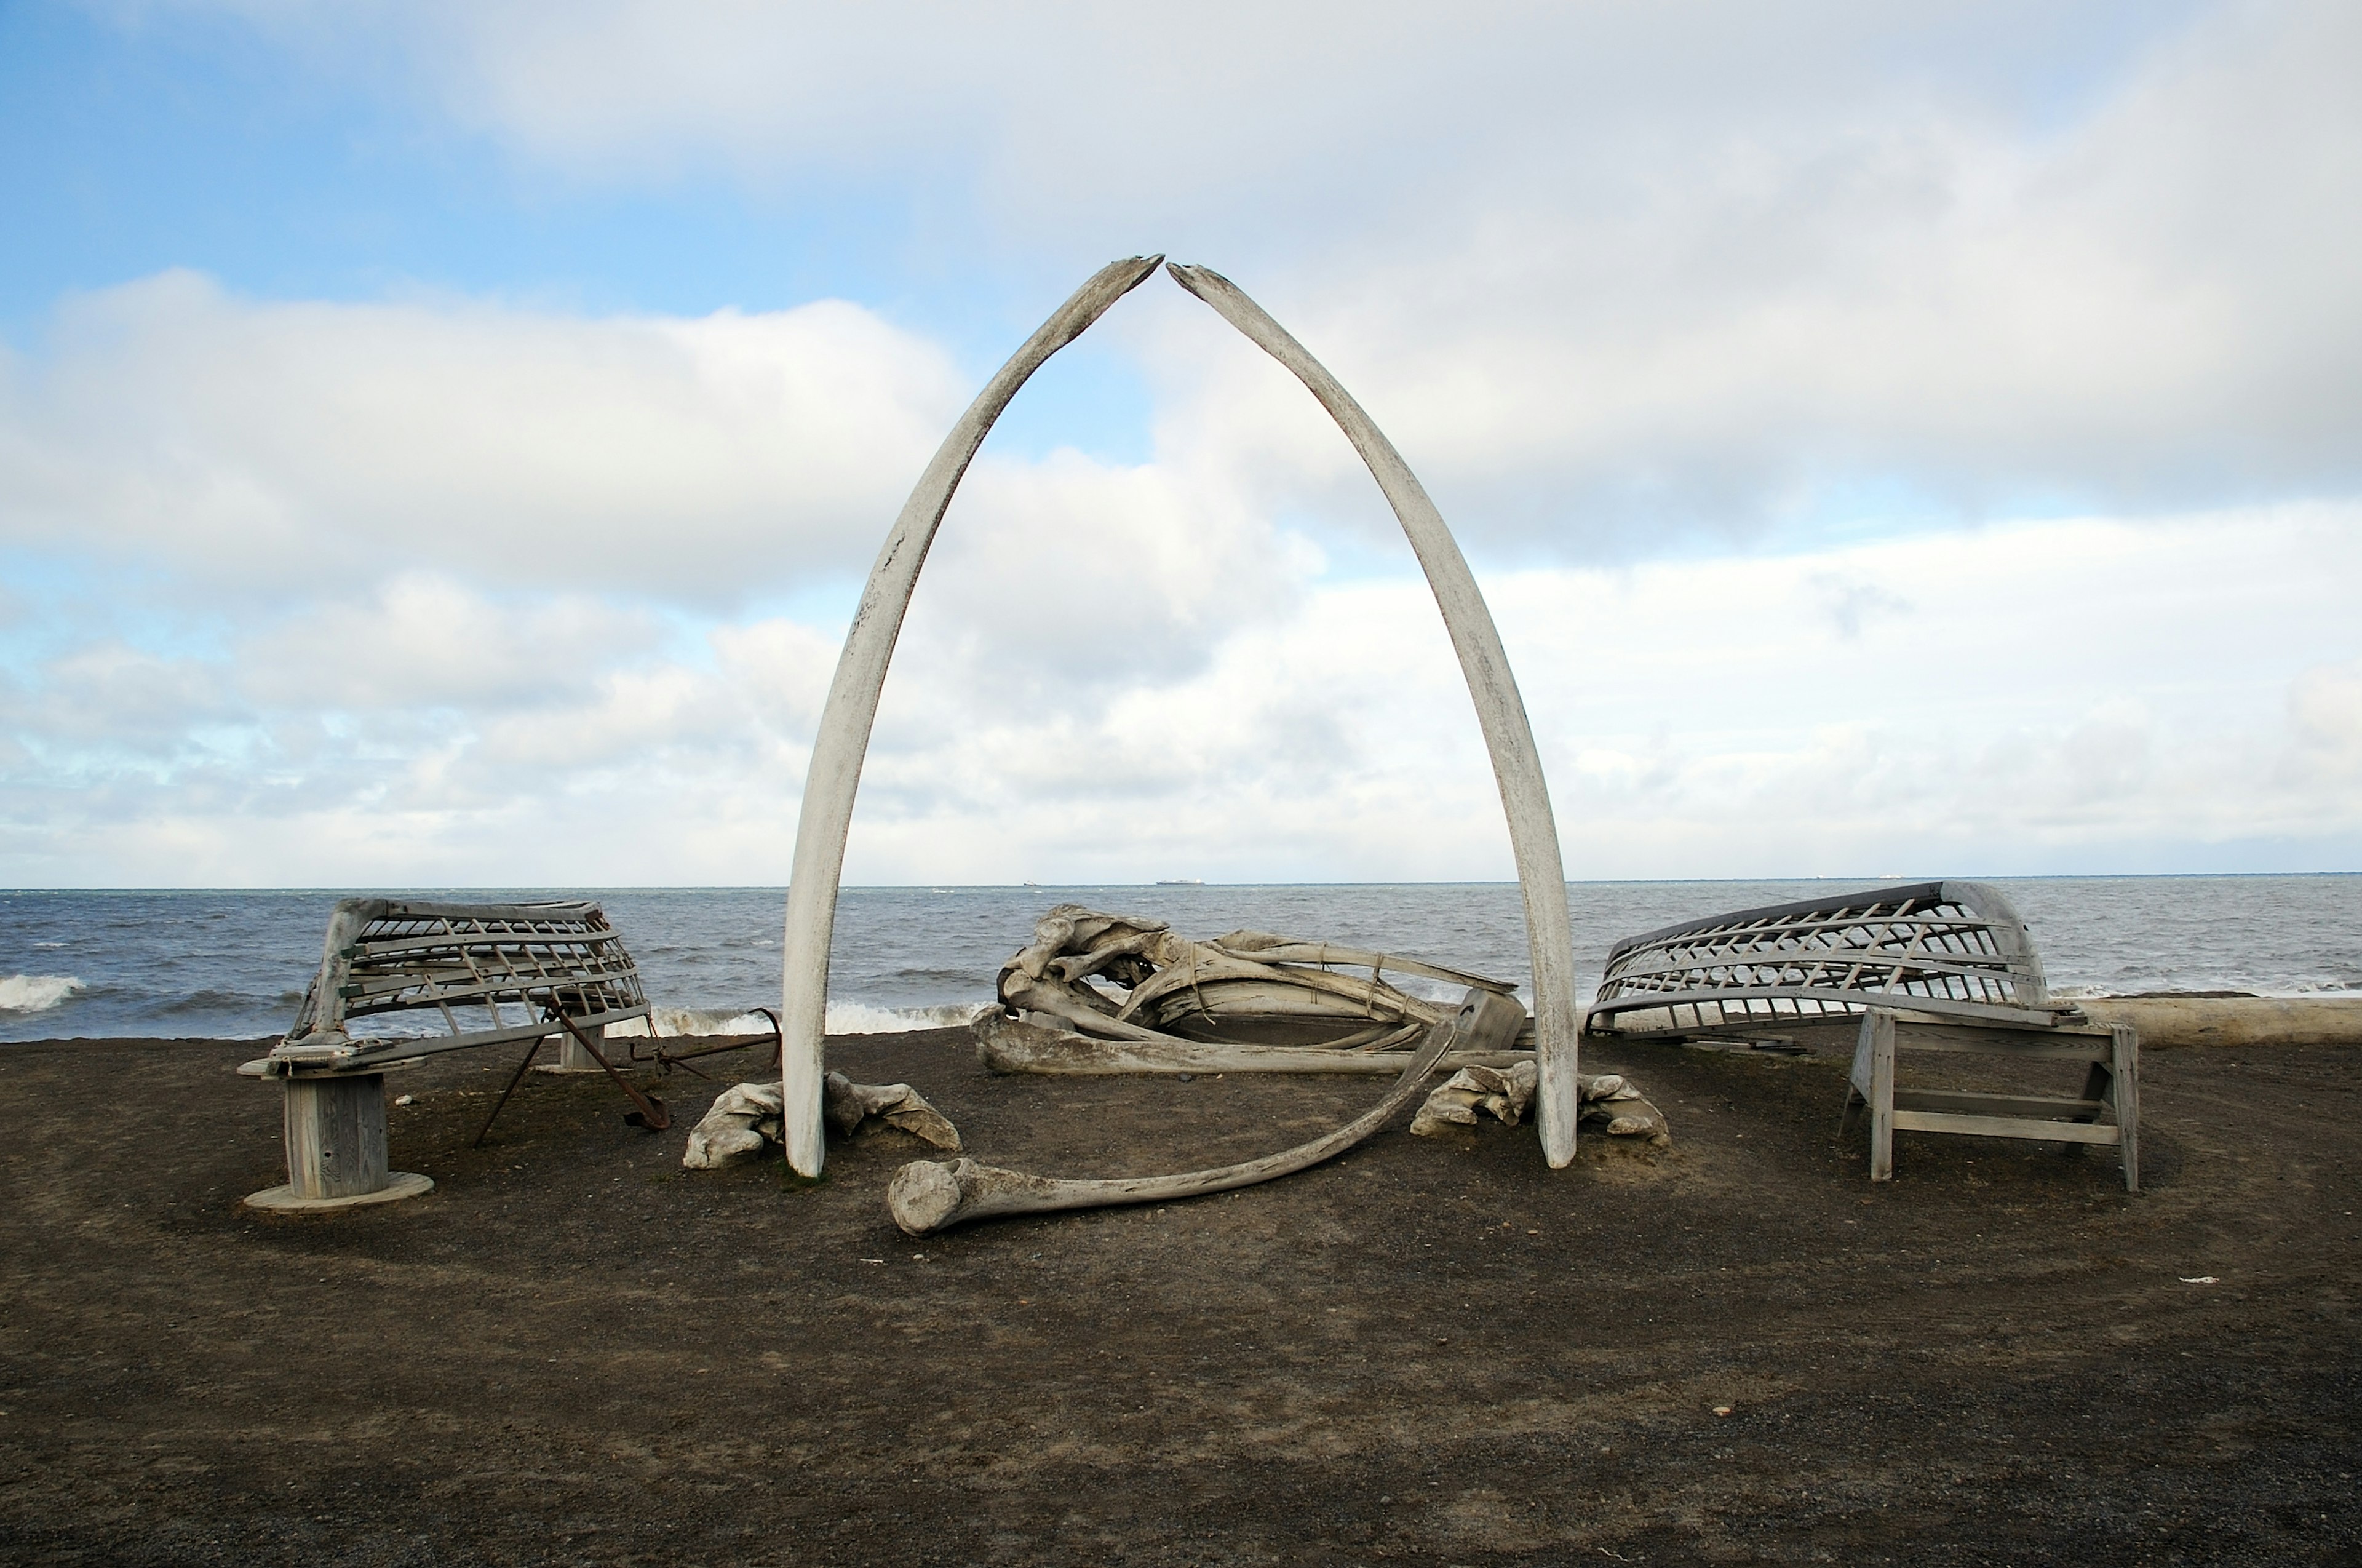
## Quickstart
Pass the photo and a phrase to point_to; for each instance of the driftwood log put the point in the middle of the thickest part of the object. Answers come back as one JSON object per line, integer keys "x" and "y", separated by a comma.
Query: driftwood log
{"x": 2167, "y": 1023}
{"x": 927, "y": 1195}
{"x": 843, "y": 739}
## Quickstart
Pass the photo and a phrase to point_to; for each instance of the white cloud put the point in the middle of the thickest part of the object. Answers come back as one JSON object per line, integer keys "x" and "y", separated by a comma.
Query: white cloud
{"x": 2324, "y": 753}
{"x": 2177, "y": 694}
{"x": 425, "y": 642}
{"x": 328, "y": 447}
{"x": 1611, "y": 276}
{"x": 1606, "y": 272}
{"x": 1885, "y": 308}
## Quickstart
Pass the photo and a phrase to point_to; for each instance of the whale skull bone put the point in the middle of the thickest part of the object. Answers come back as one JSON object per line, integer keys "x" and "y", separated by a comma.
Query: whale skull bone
{"x": 1129, "y": 978}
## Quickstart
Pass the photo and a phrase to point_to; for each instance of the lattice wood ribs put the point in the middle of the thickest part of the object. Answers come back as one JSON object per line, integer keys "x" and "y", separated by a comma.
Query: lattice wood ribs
{"x": 1954, "y": 949}
{"x": 545, "y": 960}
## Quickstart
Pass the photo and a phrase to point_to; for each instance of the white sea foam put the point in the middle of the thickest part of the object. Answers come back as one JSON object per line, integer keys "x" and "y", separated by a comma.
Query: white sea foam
{"x": 671, "y": 1021}
{"x": 36, "y": 993}
{"x": 860, "y": 1018}
{"x": 844, "y": 1018}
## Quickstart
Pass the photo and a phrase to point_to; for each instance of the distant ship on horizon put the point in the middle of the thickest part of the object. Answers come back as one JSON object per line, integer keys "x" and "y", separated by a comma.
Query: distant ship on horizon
{"x": 1181, "y": 882}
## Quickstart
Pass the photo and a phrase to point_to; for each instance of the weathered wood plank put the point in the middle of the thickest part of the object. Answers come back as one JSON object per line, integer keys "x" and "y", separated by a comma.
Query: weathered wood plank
{"x": 2005, "y": 1127}
{"x": 1878, "y": 1029}
{"x": 2125, "y": 1093}
{"x": 1968, "y": 1104}
{"x": 370, "y": 1053}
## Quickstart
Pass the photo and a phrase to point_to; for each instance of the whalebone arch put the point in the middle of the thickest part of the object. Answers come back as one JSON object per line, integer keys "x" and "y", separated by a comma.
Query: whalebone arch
{"x": 843, "y": 740}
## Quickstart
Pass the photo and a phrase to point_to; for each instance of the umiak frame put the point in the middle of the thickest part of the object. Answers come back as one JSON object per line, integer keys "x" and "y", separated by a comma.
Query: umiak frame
{"x": 558, "y": 963}
{"x": 1952, "y": 949}
{"x": 843, "y": 742}
{"x": 1932, "y": 967}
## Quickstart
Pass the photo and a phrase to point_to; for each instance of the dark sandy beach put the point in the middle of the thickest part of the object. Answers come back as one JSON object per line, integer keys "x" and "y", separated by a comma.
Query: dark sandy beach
{"x": 1430, "y": 1350}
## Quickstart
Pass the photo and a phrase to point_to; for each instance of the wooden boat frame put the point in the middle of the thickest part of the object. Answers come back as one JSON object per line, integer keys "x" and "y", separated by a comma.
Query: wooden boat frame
{"x": 1928, "y": 967}
{"x": 554, "y": 960}
{"x": 560, "y": 962}
{"x": 1951, "y": 950}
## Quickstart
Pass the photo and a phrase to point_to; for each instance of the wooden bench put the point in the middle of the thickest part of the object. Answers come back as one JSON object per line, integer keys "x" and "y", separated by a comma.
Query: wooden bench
{"x": 1940, "y": 966}
{"x": 532, "y": 971}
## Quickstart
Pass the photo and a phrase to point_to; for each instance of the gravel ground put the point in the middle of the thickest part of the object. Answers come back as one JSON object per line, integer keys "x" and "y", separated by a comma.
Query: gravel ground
{"x": 575, "y": 1350}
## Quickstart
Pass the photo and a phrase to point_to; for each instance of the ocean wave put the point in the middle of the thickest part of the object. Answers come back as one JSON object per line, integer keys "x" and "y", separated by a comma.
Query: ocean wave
{"x": 844, "y": 1018}
{"x": 671, "y": 1021}
{"x": 861, "y": 1018}
{"x": 942, "y": 976}
{"x": 36, "y": 993}
{"x": 211, "y": 999}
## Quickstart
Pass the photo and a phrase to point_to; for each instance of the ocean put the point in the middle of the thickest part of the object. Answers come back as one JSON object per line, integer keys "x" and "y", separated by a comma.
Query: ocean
{"x": 101, "y": 964}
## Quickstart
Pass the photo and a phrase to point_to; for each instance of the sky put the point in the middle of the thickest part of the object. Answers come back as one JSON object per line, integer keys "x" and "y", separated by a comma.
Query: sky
{"x": 441, "y": 443}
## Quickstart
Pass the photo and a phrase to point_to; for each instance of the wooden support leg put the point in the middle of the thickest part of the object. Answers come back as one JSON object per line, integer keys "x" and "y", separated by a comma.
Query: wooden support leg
{"x": 336, "y": 1146}
{"x": 2098, "y": 1083}
{"x": 2128, "y": 1101}
{"x": 1858, "y": 1080}
{"x": 336, "y": 1135}
{"x": 1878, "y": 1032}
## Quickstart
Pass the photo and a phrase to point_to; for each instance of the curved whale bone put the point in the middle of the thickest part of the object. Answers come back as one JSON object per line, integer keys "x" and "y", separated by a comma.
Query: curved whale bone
{"x": 744, "y": 1118}
{"x": 841, "y": 740}
{"x": 927, "y": 1195}
{"x": 1492, "y": 688}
